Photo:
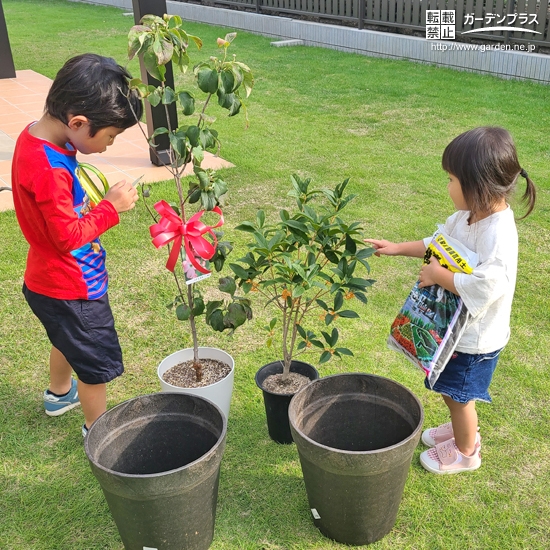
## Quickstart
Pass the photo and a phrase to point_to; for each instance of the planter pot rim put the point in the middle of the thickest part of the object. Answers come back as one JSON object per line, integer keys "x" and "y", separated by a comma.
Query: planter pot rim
{"x": 205, "y": 457}
{"x": 326, "y": 379}
{"x": 201, "y": 349}
{"x": 281, "y": 362}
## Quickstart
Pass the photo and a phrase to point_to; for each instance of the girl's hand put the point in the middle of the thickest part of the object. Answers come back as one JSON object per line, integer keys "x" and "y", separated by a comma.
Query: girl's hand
{"x": 122, "y": 195}
{"x": 430, "y": 274}
{"x": 386, "y": 248}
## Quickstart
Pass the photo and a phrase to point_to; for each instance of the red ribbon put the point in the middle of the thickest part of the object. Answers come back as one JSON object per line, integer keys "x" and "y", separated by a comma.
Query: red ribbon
{"x": 171, "y": 227}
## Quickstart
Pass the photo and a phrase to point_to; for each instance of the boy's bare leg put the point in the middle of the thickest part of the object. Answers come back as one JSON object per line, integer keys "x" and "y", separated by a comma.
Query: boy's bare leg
{"x": 93, "y": 399}
{"x": 464, "y": 421}
{"x": 60, "y": 373}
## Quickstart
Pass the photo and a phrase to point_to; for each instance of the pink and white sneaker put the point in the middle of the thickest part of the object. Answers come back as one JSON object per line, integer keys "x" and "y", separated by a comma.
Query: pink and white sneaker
{"x": 434, "y": 436}
{"x": 445, "y": 458}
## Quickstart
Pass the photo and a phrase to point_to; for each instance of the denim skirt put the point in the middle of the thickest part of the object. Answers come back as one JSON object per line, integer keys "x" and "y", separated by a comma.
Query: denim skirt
{"x": 467, "y": 377}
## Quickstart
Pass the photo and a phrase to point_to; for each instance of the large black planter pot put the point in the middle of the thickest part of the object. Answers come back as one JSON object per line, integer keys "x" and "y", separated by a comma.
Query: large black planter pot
{"x": 276, "y": 404}
{"x": 157, "y": 458}
{"x": 355, "y": 434}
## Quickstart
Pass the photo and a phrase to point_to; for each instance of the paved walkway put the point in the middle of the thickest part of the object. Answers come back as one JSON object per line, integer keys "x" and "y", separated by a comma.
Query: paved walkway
{"x": 22, "y": 101}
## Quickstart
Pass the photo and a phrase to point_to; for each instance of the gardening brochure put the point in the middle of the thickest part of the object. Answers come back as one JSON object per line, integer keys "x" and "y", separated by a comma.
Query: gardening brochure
{"x": 432, "y": 320}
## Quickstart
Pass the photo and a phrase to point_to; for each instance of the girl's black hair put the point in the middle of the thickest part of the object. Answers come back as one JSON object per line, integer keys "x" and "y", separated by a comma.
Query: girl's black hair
{"x": 485, "y": 162}
{"x": 97, "y": 88}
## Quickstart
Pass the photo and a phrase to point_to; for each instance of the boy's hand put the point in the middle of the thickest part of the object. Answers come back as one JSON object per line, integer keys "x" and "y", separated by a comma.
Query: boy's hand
{"x": 122, "y": 195}
{"x": 386, "y": 248}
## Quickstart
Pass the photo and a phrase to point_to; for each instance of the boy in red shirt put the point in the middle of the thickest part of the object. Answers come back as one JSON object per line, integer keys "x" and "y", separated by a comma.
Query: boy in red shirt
{"x": 88, "y": 105}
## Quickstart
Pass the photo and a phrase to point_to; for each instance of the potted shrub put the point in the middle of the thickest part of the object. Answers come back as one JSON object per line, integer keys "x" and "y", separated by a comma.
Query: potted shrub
{"x": 195, "y": 247}
{"x": 309, "y": 267}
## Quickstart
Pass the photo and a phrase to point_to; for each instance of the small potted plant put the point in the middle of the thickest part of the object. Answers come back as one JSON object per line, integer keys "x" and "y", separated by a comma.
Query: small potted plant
{"x": 194, "y": 246}
{"x": 309, "y": 267}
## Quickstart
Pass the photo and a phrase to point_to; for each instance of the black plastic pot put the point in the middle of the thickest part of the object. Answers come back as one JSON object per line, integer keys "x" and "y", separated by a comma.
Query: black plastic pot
{"x": 276, "y": 404}
{"x": 355, "y": 434}
{"x": 157, "y": 458}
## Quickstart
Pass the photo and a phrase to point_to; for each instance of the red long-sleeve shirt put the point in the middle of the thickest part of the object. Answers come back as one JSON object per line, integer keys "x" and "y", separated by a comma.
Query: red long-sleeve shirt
{"x": 65, "y": 259}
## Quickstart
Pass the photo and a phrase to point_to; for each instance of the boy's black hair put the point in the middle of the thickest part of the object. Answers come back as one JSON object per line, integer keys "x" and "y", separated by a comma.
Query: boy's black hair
{"x": 97, "y": 88}
{"x": 486, "y": 164}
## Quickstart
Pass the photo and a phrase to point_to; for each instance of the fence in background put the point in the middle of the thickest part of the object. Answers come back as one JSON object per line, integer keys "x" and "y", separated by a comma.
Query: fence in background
{"x": 529, "y": 15}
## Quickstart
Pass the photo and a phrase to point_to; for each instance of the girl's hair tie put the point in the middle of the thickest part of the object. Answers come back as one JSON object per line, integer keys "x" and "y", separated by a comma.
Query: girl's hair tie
{"x": 523, "y": 174}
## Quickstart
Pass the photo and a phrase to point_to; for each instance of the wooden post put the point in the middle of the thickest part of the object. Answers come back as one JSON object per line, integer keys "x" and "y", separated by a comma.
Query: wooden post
{"x": 7, "y": 68}
{"x": 361, "y": 14}
{"x": 156, "y": 116}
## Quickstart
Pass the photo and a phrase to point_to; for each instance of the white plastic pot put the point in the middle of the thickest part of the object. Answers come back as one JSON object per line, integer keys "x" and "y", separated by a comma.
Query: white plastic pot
{"x": 219, "y": 393}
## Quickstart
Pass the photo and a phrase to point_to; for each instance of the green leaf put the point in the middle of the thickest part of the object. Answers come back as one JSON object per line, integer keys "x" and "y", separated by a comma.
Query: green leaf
{"x": 322, "y": 304}
{"x": 332, "y": 338}
{"x": 187, "y": 102}
{"x": 208, "y": 200}
{"x": 348, "y": 314}
{"x": 159, "y": 131}
{"x": 168, "y": 96}
{"x": 301, "y": 331}
{"x": 207, "y": 80}
{"x": 174, "y": 21}
{"x": 204, "y": 179}
{"x": 239, "y": 271}
{"x": 220, "y": 188}
{"x": 227, "y": 284}
{"x": 236, "y": 315}
{"x": 343, "y": 351}
{"x": 297, "y": 291}
{"x": 235, "y": 106}
{"x": 237, "y": 76}
{"x": 246, "y": 226}
{"x": 227, "y": 82}
{"x": 206, "y": 139}
{"x": 216, "y": 320}
{"x": 183, "y": 312}
{"x": 331, "y": 256}
{"x": 351, "y": 247}
{"x": 325, "y": 356}
{"x": 338, "y": 301}
{"x": 154, "y": 98}
{"x": 365, "y": 253}
{"x": 193, "y": 134}
{"x": 260, "y": 217}
{"x": 198, "y": 306}
{"x": 198, "y": 155}
{"x": 195, "y": 195}
{"x": 179, "y": 145}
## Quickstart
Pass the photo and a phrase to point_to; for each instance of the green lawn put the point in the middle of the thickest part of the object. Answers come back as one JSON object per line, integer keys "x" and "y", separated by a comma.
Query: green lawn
{"x": 326, "y": 115}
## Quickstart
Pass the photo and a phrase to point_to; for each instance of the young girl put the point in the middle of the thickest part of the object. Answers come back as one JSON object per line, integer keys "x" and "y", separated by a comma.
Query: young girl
{"x": 483, "y": 170}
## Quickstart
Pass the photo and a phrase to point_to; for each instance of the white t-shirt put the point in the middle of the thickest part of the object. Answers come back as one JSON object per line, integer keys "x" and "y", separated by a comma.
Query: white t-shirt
{"x": 488, "y": 291}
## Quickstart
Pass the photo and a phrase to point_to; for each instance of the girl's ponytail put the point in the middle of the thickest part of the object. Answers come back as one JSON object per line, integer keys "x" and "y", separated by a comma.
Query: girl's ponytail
{"x": 530, "y": 193}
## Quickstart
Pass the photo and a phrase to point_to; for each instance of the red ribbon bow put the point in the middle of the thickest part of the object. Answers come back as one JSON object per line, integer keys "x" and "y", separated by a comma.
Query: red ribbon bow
{"x": 171, "y": 227}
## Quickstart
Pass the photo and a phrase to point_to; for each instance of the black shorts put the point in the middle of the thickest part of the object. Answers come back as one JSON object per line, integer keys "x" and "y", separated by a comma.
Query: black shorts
{"x": 84, "y": 332}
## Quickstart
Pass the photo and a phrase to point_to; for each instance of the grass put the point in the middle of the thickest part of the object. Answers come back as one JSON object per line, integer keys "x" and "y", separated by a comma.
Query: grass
{"x": 326, "y": 115}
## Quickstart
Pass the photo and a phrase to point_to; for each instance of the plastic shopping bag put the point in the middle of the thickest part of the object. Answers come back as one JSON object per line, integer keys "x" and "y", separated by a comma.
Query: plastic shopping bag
{"x": 432, "y": 320}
